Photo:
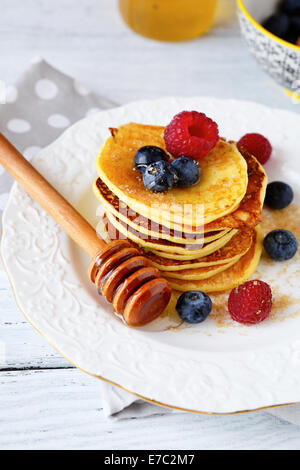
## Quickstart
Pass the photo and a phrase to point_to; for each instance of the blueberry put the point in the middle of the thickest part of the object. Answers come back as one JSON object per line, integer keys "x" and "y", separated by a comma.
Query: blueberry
{"x": 187, "y": 171}
{"x": 281, "y": 245}
{"x": 295, "y": 24}
{"x": 291, "y": 37}
{"x": 278, "y": 24}
{"x": 159, "y": 176}
{"x": 194, "y": 306}
{"x": 148, "y": 154}
{"x": 290, "y": 6}
{"x": 279, "y": 195}
{"x": 294, "y": 29}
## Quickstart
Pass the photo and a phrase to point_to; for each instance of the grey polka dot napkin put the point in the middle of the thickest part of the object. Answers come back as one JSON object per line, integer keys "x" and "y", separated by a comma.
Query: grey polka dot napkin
{"x": 33, "y": 113}
{"x": 38, "y": 108}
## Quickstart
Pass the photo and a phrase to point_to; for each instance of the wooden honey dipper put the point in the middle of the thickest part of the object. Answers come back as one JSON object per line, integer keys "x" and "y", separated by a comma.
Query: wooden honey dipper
{"x": 120, "y": 273}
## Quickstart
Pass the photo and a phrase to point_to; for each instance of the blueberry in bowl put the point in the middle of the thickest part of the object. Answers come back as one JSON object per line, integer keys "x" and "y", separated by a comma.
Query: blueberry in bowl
{"x": 278, "y": 24}
{"x": 294, "y": 30}
{"x": 290, "y": 6}
{"x": 271, "y": 31}
{"x": 285, "y": 23}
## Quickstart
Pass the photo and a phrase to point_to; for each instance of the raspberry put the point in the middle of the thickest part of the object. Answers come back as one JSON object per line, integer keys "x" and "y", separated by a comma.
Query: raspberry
{"x": 258, "y": 146}
{"x": 191, "y": 134}
{"x": 250, "y": 303}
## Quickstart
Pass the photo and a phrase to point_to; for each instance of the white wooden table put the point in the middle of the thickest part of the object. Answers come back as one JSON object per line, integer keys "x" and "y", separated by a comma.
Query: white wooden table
{"x": 44, "y": 402}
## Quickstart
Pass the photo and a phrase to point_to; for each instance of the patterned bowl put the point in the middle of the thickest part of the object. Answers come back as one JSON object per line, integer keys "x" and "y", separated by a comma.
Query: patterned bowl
{"x": 277, "y": 57}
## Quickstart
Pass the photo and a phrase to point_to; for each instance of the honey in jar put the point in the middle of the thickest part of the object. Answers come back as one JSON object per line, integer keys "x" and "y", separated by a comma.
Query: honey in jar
{"x": 169, "y": 20}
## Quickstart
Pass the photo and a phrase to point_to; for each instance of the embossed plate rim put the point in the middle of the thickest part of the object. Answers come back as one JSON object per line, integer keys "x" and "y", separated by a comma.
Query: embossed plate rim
{"x": 207, "y": 382}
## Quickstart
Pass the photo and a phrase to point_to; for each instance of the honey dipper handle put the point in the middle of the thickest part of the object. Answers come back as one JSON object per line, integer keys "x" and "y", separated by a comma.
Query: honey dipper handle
{"x": 43, "y": 193}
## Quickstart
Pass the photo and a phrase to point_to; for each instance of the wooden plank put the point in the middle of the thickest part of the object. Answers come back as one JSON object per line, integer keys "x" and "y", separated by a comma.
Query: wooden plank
{"x": 21, "y": 346}
{"x": 95, "y": 46}
{"x": 62, "y": 410}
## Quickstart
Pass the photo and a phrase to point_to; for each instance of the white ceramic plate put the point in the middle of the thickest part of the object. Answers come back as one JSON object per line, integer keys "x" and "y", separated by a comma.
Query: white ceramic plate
{"x": 216, "y": 367}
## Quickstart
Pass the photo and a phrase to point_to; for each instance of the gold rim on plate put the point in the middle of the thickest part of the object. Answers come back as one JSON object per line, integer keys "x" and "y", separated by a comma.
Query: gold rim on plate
{"x": 149, "y": 400}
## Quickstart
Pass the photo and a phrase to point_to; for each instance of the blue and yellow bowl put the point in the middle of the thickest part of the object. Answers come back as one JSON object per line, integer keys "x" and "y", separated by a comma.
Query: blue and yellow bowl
{"x": 279, "y": 58}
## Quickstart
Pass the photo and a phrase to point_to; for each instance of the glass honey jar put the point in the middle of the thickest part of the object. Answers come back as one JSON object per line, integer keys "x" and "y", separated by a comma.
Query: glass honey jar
{"x": 169, "y": 20}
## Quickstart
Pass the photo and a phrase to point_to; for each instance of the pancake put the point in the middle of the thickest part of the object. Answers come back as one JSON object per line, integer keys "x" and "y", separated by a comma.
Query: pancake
{"x": 248, "y": 214}
{"x": 231, "y": 252}
{"x": 116, "y": 227}
{"x": 146, "y": 226}
{"x": 232, "y": 277}
{"x": 178, "y": 257}
{"x": 109, "y": 233}
{"x": 199, "y": 273}
{"x": 221, "y": 188}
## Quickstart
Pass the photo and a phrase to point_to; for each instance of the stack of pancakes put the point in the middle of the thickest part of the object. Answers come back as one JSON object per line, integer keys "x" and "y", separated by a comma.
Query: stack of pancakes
{"x": 204, "y": 237}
